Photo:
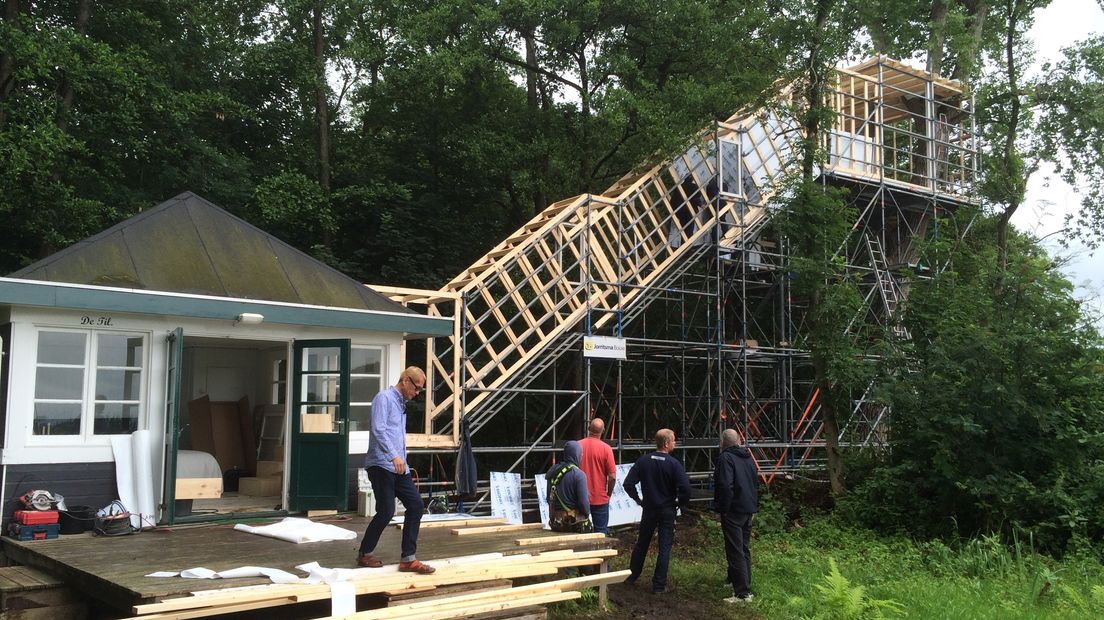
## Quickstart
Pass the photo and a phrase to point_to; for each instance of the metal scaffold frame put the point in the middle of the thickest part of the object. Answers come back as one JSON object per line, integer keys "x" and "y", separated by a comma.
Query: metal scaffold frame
{"x": 683, "y": 263}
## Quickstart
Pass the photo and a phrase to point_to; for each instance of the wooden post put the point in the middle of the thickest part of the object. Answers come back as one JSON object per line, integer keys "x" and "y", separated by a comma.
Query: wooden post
{"x": 603, "y": 594}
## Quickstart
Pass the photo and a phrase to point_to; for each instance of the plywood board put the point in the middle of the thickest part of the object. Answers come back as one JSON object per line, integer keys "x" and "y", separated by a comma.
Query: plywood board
{"x": 226, "y": 435}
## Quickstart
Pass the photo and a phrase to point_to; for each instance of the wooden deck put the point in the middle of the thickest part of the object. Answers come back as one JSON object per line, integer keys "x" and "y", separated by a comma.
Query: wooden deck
{"x": 113, "y": 570}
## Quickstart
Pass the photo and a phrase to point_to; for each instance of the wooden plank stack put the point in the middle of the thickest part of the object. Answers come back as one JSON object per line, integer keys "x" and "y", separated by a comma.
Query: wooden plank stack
{"x": 462, "y": 587}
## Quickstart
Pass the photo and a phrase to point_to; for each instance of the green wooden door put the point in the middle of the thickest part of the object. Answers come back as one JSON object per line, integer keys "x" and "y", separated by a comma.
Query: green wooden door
{"x": 174, "y": 354}
{"x": 319, "y": 472}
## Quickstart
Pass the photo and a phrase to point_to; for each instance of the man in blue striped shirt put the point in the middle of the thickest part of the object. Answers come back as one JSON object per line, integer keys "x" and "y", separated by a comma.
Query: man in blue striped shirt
{"x": 389, "y": 474}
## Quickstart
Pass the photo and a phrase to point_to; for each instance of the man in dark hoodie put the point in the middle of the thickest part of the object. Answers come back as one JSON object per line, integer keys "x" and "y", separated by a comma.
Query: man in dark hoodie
{"x": 736, "y": 498}
{"x": 666, "y": 487}
{"x": 568, "y": 501}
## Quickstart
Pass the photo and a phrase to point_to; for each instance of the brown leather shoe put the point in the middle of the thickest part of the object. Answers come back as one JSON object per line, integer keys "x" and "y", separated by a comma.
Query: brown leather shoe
{"x": 416, "y": 566}
{"x": 367, "y": 560}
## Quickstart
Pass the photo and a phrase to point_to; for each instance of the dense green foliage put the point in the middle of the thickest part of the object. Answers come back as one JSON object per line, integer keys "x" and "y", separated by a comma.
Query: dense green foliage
{"x": 444, "y": 125}
{"x": 998, "y": 417}
{"x": 823, "y": 568}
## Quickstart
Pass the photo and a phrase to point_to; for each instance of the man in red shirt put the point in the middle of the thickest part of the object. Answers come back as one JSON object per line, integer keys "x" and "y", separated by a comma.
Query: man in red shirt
{"x": 601, "y": 472}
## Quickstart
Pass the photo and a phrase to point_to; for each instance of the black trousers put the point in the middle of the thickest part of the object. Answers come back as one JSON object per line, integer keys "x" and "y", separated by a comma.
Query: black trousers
{"x": 736, "y": 527}
{"x": 387, "y": 485}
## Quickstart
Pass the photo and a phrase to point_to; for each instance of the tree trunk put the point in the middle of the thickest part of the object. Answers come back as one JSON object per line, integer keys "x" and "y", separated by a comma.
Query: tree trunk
{"x": 66, "y": 87}
{"x": 1008, "y": 165}
{"x": 7, "y": 61}
{"x": 937, "y": 38}
{"x": 321, "y": 110}
{"x": 585, "y": 173}
{"x": 533, "y": 101}
{"x": 816, "y": 74}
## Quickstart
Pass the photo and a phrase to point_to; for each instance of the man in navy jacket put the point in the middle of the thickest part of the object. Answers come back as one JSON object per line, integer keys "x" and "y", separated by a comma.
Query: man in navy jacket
{"x": 666, "y": 488}
{"x": 736, "y": 498}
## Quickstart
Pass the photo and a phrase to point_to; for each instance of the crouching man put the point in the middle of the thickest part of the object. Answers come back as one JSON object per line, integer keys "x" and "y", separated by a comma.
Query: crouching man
{"x": 568, "y": 500}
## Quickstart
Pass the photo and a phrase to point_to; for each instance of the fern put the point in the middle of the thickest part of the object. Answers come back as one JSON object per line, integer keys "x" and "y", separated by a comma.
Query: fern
{"x": 839, "y": 600}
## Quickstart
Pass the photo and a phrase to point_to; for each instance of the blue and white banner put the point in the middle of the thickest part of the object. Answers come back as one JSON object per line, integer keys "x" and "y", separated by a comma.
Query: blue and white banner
{"x": 506, "y": 496}
{"x": 622, "y": 509}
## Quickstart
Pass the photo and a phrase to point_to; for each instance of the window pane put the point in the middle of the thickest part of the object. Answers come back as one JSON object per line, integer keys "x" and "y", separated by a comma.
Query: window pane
{"x": 320, "y": 388}
{"x": 115, "y": 419}
{"x": 60, "y": 383}
{"x": 118, "y": 384}
{"x": 57, "y": 418}
{"x": 321, "y": 358}
{"x": 360, "y": 418}
{"x": 60, "y": 348}
{"x": 117, "y": 350}
{"x": 364, "y": 389}
{"x": 366, "y": 361}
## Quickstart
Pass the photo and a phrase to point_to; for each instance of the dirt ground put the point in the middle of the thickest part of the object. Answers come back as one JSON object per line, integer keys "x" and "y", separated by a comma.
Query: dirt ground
{"x": 637, "y": 600}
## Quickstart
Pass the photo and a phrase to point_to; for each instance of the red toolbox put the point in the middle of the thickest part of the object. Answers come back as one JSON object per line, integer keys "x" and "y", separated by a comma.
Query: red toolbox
{"x": 34, "y": 532}
{"x": 36, "y": 517}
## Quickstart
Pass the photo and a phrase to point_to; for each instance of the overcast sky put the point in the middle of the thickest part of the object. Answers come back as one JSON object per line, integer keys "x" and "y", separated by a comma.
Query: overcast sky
{"x": 1049, "y": 199}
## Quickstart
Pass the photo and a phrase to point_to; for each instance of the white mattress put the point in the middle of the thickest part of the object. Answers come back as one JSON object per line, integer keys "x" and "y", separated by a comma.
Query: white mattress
{"x": 196, "y": 464}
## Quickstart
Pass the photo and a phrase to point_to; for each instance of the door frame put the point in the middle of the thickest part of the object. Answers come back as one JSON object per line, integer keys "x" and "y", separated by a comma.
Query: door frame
{"x": 305, "y": 488}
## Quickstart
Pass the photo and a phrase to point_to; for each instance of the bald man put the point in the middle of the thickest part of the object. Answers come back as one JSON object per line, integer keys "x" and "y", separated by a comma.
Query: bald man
{"x": 601, "y": 472}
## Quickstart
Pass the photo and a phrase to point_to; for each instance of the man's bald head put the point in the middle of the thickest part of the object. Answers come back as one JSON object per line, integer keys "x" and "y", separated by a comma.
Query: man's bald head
{"x": 596, "y": 427}
{"x": 729, "y": 437}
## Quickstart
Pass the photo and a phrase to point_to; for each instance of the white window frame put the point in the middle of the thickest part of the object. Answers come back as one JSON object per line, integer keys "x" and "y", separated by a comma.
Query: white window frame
{"x": 87, "y": 436}
{"x": 279, "y": 379}
{"x": 358, "y": 439}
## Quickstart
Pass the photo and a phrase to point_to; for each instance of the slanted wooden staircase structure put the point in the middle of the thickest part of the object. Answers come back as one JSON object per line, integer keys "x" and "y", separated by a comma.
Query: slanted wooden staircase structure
{"x": 902, "y": 141}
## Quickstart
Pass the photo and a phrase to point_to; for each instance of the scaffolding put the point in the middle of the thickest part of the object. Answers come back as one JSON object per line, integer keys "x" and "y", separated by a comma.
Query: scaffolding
{"x": 683, "y": 263}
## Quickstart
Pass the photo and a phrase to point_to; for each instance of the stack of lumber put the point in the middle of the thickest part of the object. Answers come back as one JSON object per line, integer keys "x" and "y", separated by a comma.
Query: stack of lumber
{"x": 476, "y": 569}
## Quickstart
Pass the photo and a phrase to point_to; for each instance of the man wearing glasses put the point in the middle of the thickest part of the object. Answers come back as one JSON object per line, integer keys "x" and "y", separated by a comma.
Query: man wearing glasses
{"x": 389, "y": 474}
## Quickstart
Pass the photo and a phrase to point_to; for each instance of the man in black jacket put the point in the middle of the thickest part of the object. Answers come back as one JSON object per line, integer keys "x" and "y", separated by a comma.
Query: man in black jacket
{"x": 666, "y": 488}
{"x": 736, "y": 498}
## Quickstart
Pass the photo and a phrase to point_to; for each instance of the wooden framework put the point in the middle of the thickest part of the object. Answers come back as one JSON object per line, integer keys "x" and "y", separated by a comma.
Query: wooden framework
{"x": 902, "y": 139}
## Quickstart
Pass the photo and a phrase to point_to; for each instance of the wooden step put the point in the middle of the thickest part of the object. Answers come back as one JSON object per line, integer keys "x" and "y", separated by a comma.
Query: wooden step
{"x": 260, "y": 487}
{"x": 31, "y": 594}
{"x": 266, "y": 469}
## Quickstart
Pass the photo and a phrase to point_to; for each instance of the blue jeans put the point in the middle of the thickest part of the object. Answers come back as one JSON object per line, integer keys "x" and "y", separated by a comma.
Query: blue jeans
{"x": 387, "y": 485}
{"x": 736, "y": 527}
{"x": 652, "y": 518}
{"x": 599, "y": 516}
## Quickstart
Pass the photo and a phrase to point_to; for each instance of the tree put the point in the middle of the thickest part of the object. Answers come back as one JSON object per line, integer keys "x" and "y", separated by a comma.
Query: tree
{"x": 999, "y": 426}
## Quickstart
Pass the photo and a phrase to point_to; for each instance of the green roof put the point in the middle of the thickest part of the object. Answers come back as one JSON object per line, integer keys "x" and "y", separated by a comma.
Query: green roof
{"x": 188, "y": 245}
{"x": 188, "y": 257}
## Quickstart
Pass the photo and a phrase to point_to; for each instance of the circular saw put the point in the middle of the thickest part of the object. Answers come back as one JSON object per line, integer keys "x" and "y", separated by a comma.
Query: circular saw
{"x": 39, "y": 500}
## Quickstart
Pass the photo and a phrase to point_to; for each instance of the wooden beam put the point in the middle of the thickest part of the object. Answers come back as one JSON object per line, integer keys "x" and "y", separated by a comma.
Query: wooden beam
{"x": 474, "y": 531}
{"x": 496, "y": 521}
{"x": 559, "y": 539}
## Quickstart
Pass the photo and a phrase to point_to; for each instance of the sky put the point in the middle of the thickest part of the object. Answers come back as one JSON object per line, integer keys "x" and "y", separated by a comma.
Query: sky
{"x": 1049, "y": 199}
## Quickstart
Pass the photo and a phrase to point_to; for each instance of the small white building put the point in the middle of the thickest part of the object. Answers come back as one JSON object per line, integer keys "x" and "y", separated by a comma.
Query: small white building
{"x": 240, "y": 360}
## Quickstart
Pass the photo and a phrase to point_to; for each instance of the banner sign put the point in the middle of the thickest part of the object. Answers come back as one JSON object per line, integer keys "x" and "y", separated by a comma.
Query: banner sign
{"x": 605, "y": 347}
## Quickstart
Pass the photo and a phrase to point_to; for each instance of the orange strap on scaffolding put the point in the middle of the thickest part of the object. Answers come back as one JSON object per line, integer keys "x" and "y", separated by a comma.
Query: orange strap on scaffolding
{"x": 808, "y": 408}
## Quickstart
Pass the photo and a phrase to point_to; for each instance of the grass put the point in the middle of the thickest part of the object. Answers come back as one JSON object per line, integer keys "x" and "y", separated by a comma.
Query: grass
{"x": 827, "y": 571}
